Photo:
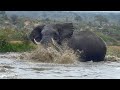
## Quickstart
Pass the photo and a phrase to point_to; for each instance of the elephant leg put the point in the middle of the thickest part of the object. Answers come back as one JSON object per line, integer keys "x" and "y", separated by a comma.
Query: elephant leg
{"x": 83, "y": 60}
{"x": 83, "y": 57}
{"x": 99, "y": 59}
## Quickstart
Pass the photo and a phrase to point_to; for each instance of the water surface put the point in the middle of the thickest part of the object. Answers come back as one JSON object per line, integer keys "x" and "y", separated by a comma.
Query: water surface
{"x": 22, "y": 69}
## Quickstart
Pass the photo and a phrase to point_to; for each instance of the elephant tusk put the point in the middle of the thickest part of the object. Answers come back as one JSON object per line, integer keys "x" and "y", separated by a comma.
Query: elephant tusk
{"x": 36, "y": 42}
{"x": 53, "y": 43}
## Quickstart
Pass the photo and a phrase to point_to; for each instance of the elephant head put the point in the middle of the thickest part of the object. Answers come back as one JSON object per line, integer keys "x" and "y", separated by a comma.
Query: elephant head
{"x": 53, "y": 32}
{"x": 36, "y": 34}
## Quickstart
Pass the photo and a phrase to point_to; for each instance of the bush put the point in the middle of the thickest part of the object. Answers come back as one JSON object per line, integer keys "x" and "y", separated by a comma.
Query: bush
{"x": 10, "y": 34}
{"x": 114, "y": 51}
{"x": 109, "y": 40}
{"x": 15, "y": 47}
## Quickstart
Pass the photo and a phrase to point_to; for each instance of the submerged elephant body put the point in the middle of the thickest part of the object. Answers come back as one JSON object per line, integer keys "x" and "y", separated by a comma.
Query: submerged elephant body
{"x": 92, "y": 46}
{"x": 89, "y": 44}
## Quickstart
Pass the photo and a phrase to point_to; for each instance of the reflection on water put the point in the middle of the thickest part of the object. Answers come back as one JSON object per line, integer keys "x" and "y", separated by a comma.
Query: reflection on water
{"x": 18, "y": 69}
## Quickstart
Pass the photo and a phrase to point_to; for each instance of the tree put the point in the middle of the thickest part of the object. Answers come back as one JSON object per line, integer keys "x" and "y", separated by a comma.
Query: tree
{"x": 101, "y": 19}
{"x": 44, "y": 15}
{"x": 2, "y": 12}
{"x": 3, "y": 15}
{"x": 47, "y": 19}
{"x": 78, "y": 18}
{"x": 14, "y": 19}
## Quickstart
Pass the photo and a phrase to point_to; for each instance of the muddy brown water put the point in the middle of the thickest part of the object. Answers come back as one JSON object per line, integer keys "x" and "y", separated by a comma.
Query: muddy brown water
{"x": 12, "y": 68}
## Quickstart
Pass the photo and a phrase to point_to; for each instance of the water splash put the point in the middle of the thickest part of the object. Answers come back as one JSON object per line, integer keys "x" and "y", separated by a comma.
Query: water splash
{"x": 51, "y": 55}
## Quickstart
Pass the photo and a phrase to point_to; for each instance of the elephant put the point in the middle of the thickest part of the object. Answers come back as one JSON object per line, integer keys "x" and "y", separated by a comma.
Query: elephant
{"x": 36, "y": 34}
{"x": 92, "y": 47}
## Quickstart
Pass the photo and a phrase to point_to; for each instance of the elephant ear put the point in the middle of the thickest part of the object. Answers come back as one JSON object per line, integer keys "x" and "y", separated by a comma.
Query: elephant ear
{"x": 36, "y": 33}
{"x": 65, "y": 30}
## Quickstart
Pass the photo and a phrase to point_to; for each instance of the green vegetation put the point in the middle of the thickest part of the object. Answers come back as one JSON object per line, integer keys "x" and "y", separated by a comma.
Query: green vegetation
{"x": 114, "y": 51}
{"x": 8, "y": 44}
{"x": 109, "y": 40}
{"x": 11, "y": 34}
{"x": 15, "y": 47}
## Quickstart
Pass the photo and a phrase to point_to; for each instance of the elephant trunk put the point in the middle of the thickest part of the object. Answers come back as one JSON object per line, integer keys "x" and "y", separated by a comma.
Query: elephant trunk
{"x": 55, "y": 45}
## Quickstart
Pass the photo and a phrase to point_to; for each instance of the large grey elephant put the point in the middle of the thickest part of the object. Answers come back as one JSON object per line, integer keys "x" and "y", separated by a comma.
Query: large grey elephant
{"x": 91, "y": 46}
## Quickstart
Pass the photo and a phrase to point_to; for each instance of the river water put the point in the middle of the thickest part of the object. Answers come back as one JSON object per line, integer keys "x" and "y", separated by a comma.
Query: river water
{"x": 24, "y": 69}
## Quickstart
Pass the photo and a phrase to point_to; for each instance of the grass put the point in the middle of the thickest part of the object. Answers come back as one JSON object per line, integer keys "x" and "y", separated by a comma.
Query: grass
{"x": 15, "y": 47}
{"x": 12, "y": 34}
{"x": 109, "y": 40}
{"x": 113, "y": 53}
{"x": 14, "y": 41}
